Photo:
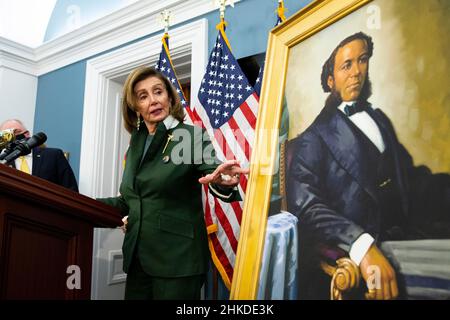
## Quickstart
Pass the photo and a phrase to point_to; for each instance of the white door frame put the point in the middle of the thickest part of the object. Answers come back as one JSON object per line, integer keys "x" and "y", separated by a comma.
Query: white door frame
{"x": 98, "y": 133}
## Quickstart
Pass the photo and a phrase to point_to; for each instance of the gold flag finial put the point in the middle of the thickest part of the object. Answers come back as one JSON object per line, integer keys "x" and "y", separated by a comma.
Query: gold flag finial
{"x": 222, "y": 6}
{"x": 281, "y": 10}
{"x": 165, "y": 18}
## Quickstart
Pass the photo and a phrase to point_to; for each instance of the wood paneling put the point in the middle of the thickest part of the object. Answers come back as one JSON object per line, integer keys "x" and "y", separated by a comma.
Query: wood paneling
{"x": 44, "y": 229}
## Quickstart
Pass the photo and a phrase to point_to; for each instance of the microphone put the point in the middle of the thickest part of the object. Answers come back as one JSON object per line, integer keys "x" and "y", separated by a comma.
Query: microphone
{"x": 6, "y": 151}
{"x": 25, "y": 147}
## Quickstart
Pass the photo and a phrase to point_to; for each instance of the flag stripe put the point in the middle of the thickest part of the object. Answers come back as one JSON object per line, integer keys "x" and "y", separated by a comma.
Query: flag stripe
{"x": 238, "y": 211}
{"x": 190, "y": 115}
{"x": 232, "y": 212}
{"x": 224, "y": 241}
{"x": 228, "y": 224}
{"x": 206, "y": 206}
{"x": 223, "y": 145}
{"x": 230, "y": 137}
{"x": 253, "y": 103}
{"x": 240, "y": 138}
{"x": 225, "y": 223}
{"x": 197, "y": 119}
{"x": 245, "y": 127}
{"x": 248, "y": 113}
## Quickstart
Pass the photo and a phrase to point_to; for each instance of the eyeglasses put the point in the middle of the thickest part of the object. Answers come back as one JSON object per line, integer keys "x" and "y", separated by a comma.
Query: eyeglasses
{"x": 21, "y": 135}
{"x": 17, "y": 132}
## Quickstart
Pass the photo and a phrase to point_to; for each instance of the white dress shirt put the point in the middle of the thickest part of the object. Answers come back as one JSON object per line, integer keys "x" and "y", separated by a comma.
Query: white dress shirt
{"x": 369, "y": 127}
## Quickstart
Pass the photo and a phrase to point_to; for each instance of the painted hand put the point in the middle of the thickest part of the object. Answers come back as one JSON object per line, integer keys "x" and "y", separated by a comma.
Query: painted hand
{"x": 379, "y": 275}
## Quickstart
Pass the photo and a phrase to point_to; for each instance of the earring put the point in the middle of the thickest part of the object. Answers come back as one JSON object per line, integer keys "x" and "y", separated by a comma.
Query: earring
{"x": 138, "y": 122}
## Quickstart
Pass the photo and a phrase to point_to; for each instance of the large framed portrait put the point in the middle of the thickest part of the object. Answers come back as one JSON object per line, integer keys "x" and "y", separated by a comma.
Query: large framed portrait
{"x": 409, "y": 68}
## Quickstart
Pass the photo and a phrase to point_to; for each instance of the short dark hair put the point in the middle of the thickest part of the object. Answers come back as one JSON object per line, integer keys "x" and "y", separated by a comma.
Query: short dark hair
{"x": 328, "y": 67}
{"x": 129, "y": 97}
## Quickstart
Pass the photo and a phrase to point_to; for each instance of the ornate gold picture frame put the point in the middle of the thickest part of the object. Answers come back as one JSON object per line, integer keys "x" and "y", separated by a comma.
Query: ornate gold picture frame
{"x": 320, "y": 27}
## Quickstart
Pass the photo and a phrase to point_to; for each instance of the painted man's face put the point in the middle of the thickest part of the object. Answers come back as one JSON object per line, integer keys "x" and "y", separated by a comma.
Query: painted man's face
{"x": 350, "y": 70}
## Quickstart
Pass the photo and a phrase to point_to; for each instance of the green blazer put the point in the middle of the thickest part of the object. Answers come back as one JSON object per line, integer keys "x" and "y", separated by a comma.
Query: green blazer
{"x": 162, "y": 198}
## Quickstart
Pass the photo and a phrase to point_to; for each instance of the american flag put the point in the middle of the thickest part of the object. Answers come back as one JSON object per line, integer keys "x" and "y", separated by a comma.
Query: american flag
{"x": 165, "y": 66}
{"x": 229, "y": 113}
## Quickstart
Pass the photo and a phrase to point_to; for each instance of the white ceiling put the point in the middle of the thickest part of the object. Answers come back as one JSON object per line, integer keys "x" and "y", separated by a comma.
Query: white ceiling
{"x": 25, "y": 21}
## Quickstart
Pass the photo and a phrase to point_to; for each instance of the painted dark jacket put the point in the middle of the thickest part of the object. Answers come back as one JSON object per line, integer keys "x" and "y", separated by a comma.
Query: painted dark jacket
{"x": 331, "y": 189}
{"x": 330, "y": 184}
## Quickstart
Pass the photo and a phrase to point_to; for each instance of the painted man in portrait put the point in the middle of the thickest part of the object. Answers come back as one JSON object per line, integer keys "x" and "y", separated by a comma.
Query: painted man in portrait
{"x": 353, "y": 185}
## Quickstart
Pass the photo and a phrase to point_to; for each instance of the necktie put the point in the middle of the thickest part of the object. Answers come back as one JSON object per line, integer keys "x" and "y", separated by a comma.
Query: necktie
{"x": 24, "y": 165}
{"x": 351, "y": 109}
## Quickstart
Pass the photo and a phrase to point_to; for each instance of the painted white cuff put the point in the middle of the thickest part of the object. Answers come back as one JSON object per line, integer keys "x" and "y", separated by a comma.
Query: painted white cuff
{"x": 360, "y": 247}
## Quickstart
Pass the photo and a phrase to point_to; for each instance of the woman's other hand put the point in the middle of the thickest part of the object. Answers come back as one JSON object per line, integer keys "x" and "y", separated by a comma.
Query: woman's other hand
{"x": 124, "y": 226}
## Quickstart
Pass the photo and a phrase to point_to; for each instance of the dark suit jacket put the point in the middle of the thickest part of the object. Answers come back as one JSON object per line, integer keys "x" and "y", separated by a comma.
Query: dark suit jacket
{"x": 51, "y": 164}
{"x": 329, "y": 185}
{"x": 166, "y": 226}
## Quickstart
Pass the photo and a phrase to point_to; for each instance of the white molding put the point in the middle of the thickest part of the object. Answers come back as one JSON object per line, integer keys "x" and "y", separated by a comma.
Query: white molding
{"x": 17, "y": 49}
{"x": 190, "y": 39}
{"x": 17, "y": 63}
{"x": 17, "y": 57}
{"x": 133, "y": 22}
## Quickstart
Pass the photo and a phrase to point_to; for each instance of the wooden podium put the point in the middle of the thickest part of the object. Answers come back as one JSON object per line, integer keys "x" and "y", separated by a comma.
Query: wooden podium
{"x": 44, "y": 230}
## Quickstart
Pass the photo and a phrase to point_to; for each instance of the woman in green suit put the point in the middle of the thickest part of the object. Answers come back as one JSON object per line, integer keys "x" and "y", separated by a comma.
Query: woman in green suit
{"x": 165, "y": 247}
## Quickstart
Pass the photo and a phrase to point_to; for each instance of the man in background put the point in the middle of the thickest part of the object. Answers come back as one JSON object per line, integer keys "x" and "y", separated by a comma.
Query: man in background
{"x": 46, "y": 163}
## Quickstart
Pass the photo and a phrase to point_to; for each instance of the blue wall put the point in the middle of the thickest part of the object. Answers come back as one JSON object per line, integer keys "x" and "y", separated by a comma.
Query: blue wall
{"x": 59, "y": 109}
{"x": 67, "y": 13}
{"x": 60, "y": 96}
{"x": 249, "y": 23}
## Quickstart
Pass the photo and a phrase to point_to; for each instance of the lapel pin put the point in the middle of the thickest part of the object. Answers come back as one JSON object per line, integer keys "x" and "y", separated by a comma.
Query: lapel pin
{"x": 166, "y": 159}
{"x": 169, "y": 137}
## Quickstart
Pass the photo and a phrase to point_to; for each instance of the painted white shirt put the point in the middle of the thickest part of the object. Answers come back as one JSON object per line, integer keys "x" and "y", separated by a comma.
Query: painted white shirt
{"x": 369, "y": 127}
